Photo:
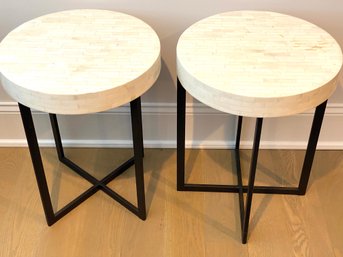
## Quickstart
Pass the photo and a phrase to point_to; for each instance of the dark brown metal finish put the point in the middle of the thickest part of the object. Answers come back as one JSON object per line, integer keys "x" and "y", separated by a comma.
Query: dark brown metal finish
{"x": 181, "y": 126}
{"x": 252, "y": 173}
{"x": 311, "y": 147}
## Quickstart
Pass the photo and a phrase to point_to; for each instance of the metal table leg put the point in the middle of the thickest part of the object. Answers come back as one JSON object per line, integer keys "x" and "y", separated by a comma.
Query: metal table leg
{"x": 51, "y": 216}
{"x": 240, "y": 188}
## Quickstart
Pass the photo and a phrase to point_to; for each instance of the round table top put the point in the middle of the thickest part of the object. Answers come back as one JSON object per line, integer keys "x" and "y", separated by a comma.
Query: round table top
{"x": 79, "y": 61}
{"x": 257, "y": 63}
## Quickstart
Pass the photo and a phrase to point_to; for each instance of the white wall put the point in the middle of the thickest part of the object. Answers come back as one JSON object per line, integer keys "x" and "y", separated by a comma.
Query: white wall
{"x": 170, "y": 19}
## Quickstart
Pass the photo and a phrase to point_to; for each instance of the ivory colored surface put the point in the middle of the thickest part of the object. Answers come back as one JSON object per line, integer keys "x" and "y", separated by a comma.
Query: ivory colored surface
{"x": 258, "y": 64}
{"x": 79, "y": 61}
{"x": 179, "y": 224}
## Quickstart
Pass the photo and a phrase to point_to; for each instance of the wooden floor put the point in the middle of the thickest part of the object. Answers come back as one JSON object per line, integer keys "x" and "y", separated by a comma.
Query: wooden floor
{"x": 179, "y": 223}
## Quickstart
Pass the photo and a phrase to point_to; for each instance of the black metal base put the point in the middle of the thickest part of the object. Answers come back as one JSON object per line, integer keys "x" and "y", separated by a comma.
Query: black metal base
{"x": 240, "y": 188}
{"x": 51, "y": 216}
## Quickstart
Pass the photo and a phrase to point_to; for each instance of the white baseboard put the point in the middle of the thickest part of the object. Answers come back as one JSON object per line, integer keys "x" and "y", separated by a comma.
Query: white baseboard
{"x": 206, "y": 128}
{"x": 171, "y": 144}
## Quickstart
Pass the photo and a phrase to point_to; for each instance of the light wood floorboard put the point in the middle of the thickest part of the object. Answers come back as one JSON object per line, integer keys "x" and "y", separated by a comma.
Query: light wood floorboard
{"x": 179, "y": 223}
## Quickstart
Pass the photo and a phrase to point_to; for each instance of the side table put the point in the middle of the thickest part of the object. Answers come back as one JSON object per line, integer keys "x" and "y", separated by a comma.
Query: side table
{"x": 80, "y": 62}
{"x": 255, "y": 64}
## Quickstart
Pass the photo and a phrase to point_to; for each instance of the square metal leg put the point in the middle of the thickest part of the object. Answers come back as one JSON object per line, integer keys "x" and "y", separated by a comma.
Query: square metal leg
{"x": 51, "y": 216}
{"x": 240, "y": 188}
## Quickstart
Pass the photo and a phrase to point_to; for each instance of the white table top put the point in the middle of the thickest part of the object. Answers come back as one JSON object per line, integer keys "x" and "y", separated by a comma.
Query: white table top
{"x": 79, "y": 61}
{"x": 258, "y": 64}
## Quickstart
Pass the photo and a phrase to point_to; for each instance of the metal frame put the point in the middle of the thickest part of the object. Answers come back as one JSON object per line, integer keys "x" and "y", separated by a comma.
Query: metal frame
{"x": 240, "y": 188}
{"x": 51, "y": 216}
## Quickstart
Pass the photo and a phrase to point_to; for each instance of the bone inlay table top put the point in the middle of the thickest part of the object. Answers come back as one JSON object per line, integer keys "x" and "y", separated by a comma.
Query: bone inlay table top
{"x": 258, "y": 64}
{"x": 79, "y": 61}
